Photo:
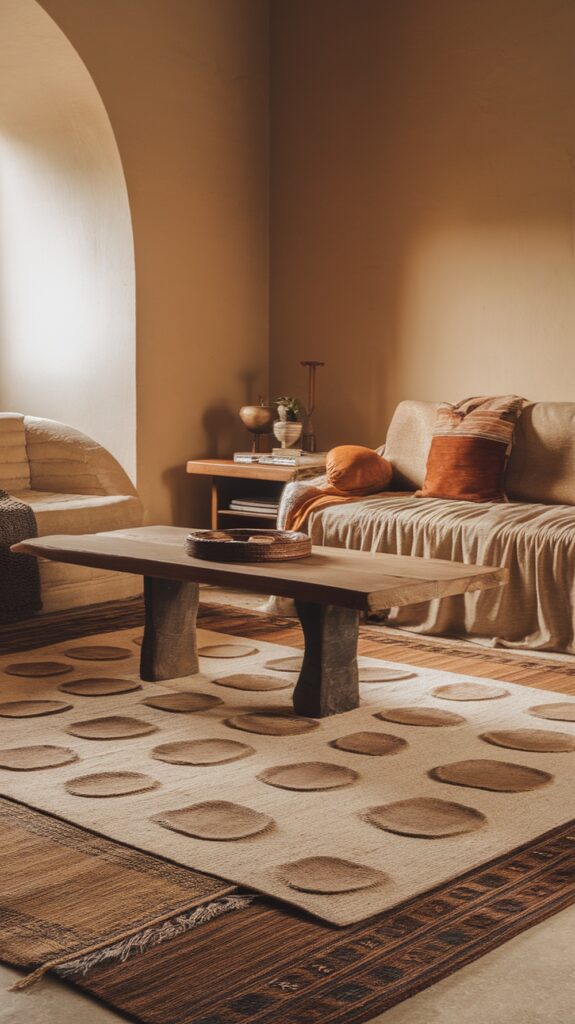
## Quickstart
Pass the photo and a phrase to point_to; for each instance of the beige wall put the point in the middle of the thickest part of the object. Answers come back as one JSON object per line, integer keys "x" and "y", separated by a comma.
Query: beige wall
{"x": 67, "y": 303}
{"x": 185, "y": 86}
{"x": 422, "y": 189}
{"x": 422, "y": 203}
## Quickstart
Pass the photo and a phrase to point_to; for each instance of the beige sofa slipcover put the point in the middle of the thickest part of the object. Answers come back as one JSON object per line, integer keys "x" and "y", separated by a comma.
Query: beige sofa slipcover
{"x": 533, "y": 535}
{"x": 75, "y": 486}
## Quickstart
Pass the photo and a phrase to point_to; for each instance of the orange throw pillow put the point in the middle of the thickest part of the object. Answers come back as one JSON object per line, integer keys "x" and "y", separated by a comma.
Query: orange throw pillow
{"x": 353, "y": 469}
{"x": 470, "y": 448}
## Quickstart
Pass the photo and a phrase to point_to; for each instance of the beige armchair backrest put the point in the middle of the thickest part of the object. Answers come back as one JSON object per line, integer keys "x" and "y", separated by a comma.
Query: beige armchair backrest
{"x": 14, "y": 466}
{"x": 63, "y": 459}
{"x": 44, "y": 455}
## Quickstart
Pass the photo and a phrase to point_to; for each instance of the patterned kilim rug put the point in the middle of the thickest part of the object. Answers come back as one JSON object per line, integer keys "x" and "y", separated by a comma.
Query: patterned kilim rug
{"x": 275, "y": 964}
{"x": 68, "y": 625}
{"x": 64, "y": 891}
{"x": 268, "y": 965}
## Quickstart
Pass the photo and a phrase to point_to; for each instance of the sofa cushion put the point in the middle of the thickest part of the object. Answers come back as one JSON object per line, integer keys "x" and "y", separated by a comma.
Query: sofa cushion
{"x": 14, "y": 468}
{"x": 408, "y": 441}
{"x": 542, "y": 464}
{"x": 80, "y": 513}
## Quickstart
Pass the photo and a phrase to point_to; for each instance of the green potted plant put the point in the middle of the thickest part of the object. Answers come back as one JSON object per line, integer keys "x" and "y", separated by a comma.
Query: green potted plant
{"x": 288, "y": 409}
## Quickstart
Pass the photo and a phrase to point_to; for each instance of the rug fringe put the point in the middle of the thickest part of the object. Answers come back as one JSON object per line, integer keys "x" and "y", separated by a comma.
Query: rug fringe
{"x": 144, "y": 940}
{"x": 136, "y": 942}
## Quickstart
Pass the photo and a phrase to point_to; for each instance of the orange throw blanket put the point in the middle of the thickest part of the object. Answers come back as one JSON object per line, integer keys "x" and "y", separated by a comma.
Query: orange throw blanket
{"x": 352, "y": 473}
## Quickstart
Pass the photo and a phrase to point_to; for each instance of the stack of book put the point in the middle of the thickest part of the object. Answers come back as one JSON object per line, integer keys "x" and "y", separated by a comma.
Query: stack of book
{"x": 284, "y": 457}
{"x": 293, "y": 457}
{"x": 266, "y": 507}
{"x": 247, "y": 456}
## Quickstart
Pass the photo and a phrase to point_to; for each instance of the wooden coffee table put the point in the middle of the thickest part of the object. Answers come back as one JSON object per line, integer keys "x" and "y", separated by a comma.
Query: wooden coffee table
{"x": 330, "y": 589}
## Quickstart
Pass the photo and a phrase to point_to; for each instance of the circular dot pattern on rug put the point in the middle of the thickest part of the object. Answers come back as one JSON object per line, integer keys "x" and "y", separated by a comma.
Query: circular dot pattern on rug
{"x": 98, "y": 652}
{"x": 431, "y": 717}
{"x": 292, "y": 664}
{"x": 113, "y": 727}
{"x": 270, "y": 723}
{"x": 374, "y": 744}
{"x": 384, "y": 675}
{"x": 244, "y": 681}
{"x": 202, "y": 752}
{"x": 425, "y": 818}
{"x": 104, "y": 687}
{"x": 562, "y": 712}
{"x": 183, "y": 703}
{"x": 309, "y": 776}
{"x": 102, "y": 784}
{"x": 38, "y": 669}
{"x": 31, "y": 759}
{"x": 32, "y": 708}
{"x": 539, "y": 741}
{"x": 218, "y": 820}
{"x": 329, "y": 875}
{"x": 470, "y": 691}
{"x": 227, "y": 651}
{"x": 497, "y": 776}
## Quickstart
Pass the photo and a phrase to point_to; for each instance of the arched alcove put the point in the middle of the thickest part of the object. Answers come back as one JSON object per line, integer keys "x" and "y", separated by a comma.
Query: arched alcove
{"x": 67, "y": 289}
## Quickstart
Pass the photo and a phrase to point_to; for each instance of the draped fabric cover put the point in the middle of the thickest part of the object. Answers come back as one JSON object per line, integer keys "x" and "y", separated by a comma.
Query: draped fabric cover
{"x": 535, "y": 542}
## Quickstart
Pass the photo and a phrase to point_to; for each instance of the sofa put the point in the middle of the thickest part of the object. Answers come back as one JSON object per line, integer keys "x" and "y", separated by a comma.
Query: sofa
{"x": 73, "y": 485}
{"x": 533, "y": 534}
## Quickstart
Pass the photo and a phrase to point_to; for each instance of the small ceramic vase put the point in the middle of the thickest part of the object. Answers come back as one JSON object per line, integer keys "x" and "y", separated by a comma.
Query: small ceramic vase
{"x": 287, "y": 432}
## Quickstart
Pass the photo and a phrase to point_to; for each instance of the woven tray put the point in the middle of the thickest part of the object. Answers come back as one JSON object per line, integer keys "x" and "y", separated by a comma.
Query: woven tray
{"x": 247, "y": 545}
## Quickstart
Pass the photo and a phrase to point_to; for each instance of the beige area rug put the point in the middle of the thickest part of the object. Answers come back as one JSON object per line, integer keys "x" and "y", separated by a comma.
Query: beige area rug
{"x": 388, "y": 825}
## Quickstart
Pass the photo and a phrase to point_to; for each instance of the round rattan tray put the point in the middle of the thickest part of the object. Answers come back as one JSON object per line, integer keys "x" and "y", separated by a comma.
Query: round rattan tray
{"x": 247, "y": 545}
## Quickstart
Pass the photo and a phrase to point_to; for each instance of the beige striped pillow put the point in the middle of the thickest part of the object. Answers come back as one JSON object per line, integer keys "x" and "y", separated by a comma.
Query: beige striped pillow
{"x": 470, "y": 447}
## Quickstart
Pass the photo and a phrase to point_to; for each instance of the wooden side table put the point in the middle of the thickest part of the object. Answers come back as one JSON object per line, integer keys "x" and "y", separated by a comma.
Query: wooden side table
{"x": 244, "y": 480}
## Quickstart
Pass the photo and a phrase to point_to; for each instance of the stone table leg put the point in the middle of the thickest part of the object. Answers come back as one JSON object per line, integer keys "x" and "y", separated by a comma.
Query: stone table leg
{"x": 169, "y": 648}
{"x": 328, "y": 683}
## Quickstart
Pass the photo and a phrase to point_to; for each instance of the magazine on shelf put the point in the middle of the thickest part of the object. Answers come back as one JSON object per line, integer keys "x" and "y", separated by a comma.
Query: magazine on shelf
{"x": 287, "y": 459}
{"x": 282, "y": 457}
{"x": 247, "y": 456}
{"x": 255, "y": 504}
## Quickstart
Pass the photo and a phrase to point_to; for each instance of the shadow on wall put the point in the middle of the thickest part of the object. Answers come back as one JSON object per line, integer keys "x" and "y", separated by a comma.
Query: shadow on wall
{"x": 190, "y": 497}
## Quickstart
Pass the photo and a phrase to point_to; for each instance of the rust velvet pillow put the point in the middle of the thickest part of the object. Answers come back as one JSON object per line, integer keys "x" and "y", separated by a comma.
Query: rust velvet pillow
{"x": 353, "y": 469}
{"x": 470, "y": 447}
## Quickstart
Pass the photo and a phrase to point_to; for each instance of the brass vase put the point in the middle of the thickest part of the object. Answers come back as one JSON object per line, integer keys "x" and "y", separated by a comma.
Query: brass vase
{"x": 259, "y": 420}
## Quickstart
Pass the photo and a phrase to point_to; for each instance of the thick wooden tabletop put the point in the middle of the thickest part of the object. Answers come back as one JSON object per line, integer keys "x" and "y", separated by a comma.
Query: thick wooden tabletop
{"x": 352, "y": 579}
